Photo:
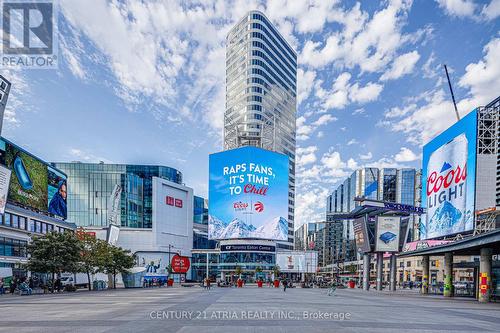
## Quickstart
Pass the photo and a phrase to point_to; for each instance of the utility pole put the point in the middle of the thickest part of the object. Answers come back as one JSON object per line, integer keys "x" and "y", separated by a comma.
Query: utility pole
{"x": 451, "y": 91}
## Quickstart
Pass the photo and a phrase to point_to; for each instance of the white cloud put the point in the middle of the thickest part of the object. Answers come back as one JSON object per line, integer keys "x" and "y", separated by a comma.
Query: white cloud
{"x": 86, "y": 156}
{"x": 358, "y": 111}
{"x": 366, "y": 156}
{"x": 305, "y": 84}
{"x": 405, "y": 155}
{"x": 324, "y": 119}
{"x": 492, "y": 10}
{"x": 402, "y": 65}
{"x": 368, "y": 93}
{"x": 396, "y": 112}
{"x": 367, "y": 43}
{"x": 352, "y": 142}
{"x": 306, "y": 155}
{"x": 482, "y": 78}
{"x": 342, "y": 92}
{"x": 459, "y": 8}
{"x": 305, "y": 129}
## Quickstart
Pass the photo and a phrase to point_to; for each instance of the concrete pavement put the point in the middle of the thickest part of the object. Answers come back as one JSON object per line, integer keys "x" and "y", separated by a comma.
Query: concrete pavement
{"x": 249, "y": 309}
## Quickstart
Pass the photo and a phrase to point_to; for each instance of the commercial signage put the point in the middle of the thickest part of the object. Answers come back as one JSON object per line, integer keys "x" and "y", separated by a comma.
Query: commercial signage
{"x": 404, "y": 208}
{"x": 113, "y": 234}
{"x": 248, "y": 247}
{"x": 180, "y": 264}
{"x": 171, "y": 201}
{"x": 291, "y": 262}
{"x": 81, "y": 234}
{"x": 387, "y": 233}
{"x": 421, "y": 245}
{"x": 449, "y": 176}
{"x": 361, "y": 235}
{"x": 4, "y": 187}
{"x": 248, "y": 194}
{"x": 114, "y": 203}
{"x": 33, "y": 183}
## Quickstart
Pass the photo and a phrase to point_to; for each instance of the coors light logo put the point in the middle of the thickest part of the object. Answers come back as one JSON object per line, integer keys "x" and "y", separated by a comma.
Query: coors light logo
{"x": 447, "y": 188}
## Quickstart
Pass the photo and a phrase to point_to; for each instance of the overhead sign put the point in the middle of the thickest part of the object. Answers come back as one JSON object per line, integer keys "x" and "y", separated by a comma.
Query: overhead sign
{"x": 4, "y": 187}
{"x": 180, "y": 264}
{"x": 404, "y": 208}
{"x": 449, "y": 176}
{"x": 248, "y": 194}
{"x": 361, "y": 235}
{"x": 248, "y": 247}
{"x": 387, "y": 233}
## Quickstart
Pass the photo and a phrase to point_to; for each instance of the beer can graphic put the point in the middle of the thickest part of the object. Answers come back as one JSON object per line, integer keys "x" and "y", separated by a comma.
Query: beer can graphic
{"x": 446, "y": 187}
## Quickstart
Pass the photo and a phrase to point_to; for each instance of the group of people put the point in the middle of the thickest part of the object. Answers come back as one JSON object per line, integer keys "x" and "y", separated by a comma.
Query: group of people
{"x": 206, "y": 284}
{"x": 22, "y": 285}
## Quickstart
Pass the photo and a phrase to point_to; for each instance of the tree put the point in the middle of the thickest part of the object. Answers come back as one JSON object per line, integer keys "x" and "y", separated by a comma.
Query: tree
{"x": 92, "y": 256}
{"x": 56, "y": 252}
{"x": 276, "y": 271}
{"x": 117, "y": 260}
{"x": 238, "y": 271}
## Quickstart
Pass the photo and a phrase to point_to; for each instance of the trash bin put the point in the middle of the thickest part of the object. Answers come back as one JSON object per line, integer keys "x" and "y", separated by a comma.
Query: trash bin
{"x": 352, "y": 284}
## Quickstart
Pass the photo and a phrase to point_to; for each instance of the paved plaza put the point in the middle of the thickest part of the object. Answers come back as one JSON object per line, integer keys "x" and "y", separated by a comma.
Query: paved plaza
{"x": 249, "y": 309}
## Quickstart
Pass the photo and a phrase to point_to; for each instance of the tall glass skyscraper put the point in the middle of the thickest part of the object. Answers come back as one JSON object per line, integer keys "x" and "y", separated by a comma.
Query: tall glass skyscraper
{"x": 261, "y": 100}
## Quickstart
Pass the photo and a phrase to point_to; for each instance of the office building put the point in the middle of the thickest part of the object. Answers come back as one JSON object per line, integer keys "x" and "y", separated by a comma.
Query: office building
{"x": 385, "y": 184}
{"x": 261, "y": 79}
{"x": 91, "y": 186}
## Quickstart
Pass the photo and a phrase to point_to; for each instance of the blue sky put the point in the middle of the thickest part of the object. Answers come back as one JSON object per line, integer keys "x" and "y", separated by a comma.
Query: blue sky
{"x": 143, "y": 82}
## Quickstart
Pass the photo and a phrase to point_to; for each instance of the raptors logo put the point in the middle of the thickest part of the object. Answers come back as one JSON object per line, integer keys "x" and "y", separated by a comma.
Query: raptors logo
{"x": 259, "y": 206}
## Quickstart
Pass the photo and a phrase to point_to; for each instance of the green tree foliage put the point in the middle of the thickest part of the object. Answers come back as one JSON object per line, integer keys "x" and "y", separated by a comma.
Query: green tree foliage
{"x": 93, "y": 255}
{"x": 116, "y": 260}
{"x": 55, "y": 253}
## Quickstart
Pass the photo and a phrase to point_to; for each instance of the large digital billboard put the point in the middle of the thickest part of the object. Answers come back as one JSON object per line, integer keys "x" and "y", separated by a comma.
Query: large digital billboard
{"x": 248, "y": 194}
{"x": 33, "y": 183}
{"x": 449, "y": 176}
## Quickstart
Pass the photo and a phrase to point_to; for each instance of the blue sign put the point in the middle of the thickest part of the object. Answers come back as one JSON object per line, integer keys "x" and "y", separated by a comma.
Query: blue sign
{"x": 248, "y": 194}
{"x": 449, "y": 179}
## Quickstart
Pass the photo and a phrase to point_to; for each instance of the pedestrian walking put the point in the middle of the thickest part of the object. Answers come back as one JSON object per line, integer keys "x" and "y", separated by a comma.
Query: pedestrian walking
{"x": 285, "y": 284}
{"x": 1, "y": 286}
{"x": 208, "y": 283}
{"x": 13, "y": 286}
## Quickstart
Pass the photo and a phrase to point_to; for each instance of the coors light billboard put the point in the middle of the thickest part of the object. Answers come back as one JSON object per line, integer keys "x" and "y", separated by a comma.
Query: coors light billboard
{"x": 449, "y": 169}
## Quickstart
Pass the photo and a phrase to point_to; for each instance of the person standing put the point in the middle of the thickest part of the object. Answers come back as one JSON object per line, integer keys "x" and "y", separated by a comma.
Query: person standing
{"x": 285, "y": 284}
{"x": 1, "y": 286}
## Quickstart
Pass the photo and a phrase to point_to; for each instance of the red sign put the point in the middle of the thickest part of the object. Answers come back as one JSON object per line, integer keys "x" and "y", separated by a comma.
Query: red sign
{"x": 171, "y": 201}
{"x": 80, "y": 234}
{"x": 180, "y": 264}
{"x": 178, "y": 203}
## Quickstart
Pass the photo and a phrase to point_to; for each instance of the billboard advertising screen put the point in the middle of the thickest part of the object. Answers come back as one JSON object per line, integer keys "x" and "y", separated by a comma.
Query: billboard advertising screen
{"x": 387, "y": 239}
{"x": 291, "y": 262}
{"x": 361, "y": 235}
{"x": 248, "y": 194}
{"x": 448, "y": 174}
{"x": 33, "y": 183}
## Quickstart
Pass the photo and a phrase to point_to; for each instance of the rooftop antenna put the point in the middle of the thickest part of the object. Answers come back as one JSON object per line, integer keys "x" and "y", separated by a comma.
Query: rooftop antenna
{"x": 452, "y": 95}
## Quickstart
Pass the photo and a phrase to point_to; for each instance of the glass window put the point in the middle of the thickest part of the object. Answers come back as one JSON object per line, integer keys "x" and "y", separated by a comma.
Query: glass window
{"x": 31, "y": 226}
{"x": 38, "y": 226}
{"x": 22, "y": 222}
{"x": 7, "y": 219}
{"x": 15, "y": 221}
{"x": 44, "y": 228}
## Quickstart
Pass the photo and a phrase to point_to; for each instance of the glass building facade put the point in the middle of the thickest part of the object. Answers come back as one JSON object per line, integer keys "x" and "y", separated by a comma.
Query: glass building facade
{"x": 90, "y": 186}
{"x": 261, "y": 100}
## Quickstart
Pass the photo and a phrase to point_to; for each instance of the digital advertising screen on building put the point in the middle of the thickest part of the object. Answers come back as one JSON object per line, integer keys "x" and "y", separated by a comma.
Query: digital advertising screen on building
{"x": 448, "y": 180}
{"x": 34, "y": 183}
{"x": 248, "y": 194}
{"x": 291, "y": 262}
{"x": 387, "y": 234}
